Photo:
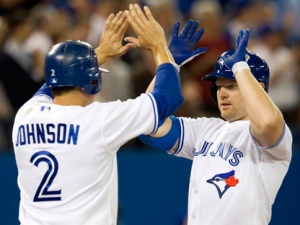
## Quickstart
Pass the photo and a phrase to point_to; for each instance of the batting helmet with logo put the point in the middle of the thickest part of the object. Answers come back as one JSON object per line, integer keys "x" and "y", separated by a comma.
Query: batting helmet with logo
{"x": 73, "y": 63}
{"x": 258, "y": 66}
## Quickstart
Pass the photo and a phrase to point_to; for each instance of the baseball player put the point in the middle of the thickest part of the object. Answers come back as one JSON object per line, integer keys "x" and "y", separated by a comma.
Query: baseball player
{"x": 240, "y": 162}
{"x": 65, "y": 144}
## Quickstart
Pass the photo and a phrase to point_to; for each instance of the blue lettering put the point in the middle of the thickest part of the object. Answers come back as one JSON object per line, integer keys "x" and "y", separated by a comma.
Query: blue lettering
{"x": 40, "y": 132}
{"x": 236, "y": 155}
{"x": 21, "y": 136}
{"x": 230, "y": 154}
{"x": 205, "y": 147}
{"x": 73, "y": 135}
{"x": 49, "y": 132}
{"x": 220, "y": 150}
{"x": 61, "y": 133}
{"x": 230, "y": 151}
{"x": 30, "y": 133}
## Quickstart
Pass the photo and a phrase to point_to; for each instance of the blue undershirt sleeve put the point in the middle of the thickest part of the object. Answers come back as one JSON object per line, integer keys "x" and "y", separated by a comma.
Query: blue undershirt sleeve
{"x": 166, "y": 142}
{"x": 44, "y": 90}
{"x": 167, "y": 91}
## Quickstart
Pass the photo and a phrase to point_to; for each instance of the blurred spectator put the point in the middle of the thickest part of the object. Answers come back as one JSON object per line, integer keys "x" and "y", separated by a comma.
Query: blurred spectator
{"x": 17, "y": 87}
{"x": 45, "y": 21}
{"x": 254, "y": 16}
{"x": 3, "y": 30}
{"x": 164, "y": 11}
{"x": 283, "y": 62}
{"x": 117, "y": 83}
{"x": 8, "y": 6}
{"x": 184, "y": 8}
{"x": 16, "y": 65}
{"x": 25, "y": 38}
{"x": 102, "y": 9}
{"x": 20, "y": 28}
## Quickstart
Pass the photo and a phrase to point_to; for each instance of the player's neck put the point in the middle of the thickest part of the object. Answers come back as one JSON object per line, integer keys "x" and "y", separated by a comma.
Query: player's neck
{"x": 74, "y": 98}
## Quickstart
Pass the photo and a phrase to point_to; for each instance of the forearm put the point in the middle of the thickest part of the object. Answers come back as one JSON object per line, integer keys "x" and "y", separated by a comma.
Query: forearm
{"x": 151, "y": 85}
{"x": 264, "y": 115}
{"x": 167, "y": 90}
{"x": 160, "y": 56}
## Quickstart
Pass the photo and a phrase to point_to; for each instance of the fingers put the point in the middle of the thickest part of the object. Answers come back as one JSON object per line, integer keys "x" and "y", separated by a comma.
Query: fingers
{"x": 238, "y": 40}
{"x": 186, "y": 28}
{"x": 148, "y": 14}
{"x": 133, "y": 41}
{"x": 136, "y": 17}
{"x": 192, "y": 30}
{"x": 242, "y": 39}
{"x": 109, "y": 21}
{"x": 126, "y": 48}
{"x": 116, "y": 23}
{"x": 245, "y": 38}
{"x": 189, "y": 30}
{"x": 140, "y": 14}
{"x": 121, "y": 24}
{"x": 197, "y": 36}
{"x": 175, "y": 30}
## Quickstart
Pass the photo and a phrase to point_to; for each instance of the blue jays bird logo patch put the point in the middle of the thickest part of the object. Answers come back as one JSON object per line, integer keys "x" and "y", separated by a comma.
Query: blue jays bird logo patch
{"x": 223, "y": 181}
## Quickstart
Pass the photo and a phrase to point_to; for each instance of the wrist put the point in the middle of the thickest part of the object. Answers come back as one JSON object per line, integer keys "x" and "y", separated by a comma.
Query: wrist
{"x": 101, "y": 60}
{"x": 242, "y": 65}
{"x": 162, "y": 55}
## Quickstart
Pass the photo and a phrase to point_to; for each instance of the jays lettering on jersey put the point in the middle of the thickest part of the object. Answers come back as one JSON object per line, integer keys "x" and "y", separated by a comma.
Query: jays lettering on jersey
{"x": 66, "y": 157}
{"x": 233, "y": 180}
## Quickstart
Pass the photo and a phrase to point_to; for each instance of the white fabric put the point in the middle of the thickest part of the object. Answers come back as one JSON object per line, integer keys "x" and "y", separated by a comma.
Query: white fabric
{"x": 240, "y": 66}
{"x": 86, "y": 165}
{"x": 217, "y": 148}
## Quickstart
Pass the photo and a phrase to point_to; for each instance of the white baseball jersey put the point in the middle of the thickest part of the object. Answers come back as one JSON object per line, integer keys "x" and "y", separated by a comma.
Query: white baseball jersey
{"x": 233, "y": 180}
{"x": 66, "y": 158}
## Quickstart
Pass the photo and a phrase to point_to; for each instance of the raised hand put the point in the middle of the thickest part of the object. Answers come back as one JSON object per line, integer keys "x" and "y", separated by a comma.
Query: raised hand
{"x": 110, "y": 43}
{"x": 240, "y": 51}
{"x": 150, "y": 34}
{"x": 183, "y": 46}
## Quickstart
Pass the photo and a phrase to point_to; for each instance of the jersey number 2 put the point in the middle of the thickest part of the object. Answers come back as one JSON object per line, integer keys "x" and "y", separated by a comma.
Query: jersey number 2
{"x": 43, "y": 193}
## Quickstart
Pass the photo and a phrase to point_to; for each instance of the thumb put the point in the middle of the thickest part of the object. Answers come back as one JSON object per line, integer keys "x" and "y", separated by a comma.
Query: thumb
{"x": 198, "y": 51}
{"x": 126, "y": 48}
{"x": 132, "y": 41}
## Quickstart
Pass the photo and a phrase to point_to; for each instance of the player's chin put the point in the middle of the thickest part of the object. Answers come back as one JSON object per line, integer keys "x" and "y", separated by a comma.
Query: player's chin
{"x": 227, "y": 115}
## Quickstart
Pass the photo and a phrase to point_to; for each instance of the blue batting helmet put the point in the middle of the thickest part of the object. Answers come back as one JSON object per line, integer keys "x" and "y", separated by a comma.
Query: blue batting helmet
{"x": 73, "y": 63}
{"x": 259, "y": 68}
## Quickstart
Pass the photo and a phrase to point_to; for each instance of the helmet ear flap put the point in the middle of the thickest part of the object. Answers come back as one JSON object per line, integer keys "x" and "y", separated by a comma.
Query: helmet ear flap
{"x": 213, "y": 92}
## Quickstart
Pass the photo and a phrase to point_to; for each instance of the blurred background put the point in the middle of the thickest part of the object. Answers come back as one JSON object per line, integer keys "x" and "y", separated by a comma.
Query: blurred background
{"x": 152, "y": 185}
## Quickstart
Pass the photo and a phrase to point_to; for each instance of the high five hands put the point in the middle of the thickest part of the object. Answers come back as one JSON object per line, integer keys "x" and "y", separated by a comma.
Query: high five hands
{"x": 150, "y": 36}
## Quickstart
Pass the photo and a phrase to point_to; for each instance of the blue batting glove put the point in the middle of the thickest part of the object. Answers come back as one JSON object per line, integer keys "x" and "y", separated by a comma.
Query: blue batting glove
{"x": 240, "y": 51}
{"x": 183, "y": 46}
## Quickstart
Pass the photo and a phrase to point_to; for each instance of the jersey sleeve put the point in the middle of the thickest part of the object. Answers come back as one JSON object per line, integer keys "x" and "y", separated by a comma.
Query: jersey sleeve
{"x": 281, "y": 150}
{"x": 44, "y": 91}
{"x": 123, "y": 121}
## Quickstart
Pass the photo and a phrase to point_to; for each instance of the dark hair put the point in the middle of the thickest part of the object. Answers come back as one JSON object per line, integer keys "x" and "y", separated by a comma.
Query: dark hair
{"x": 57, "y": 91}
